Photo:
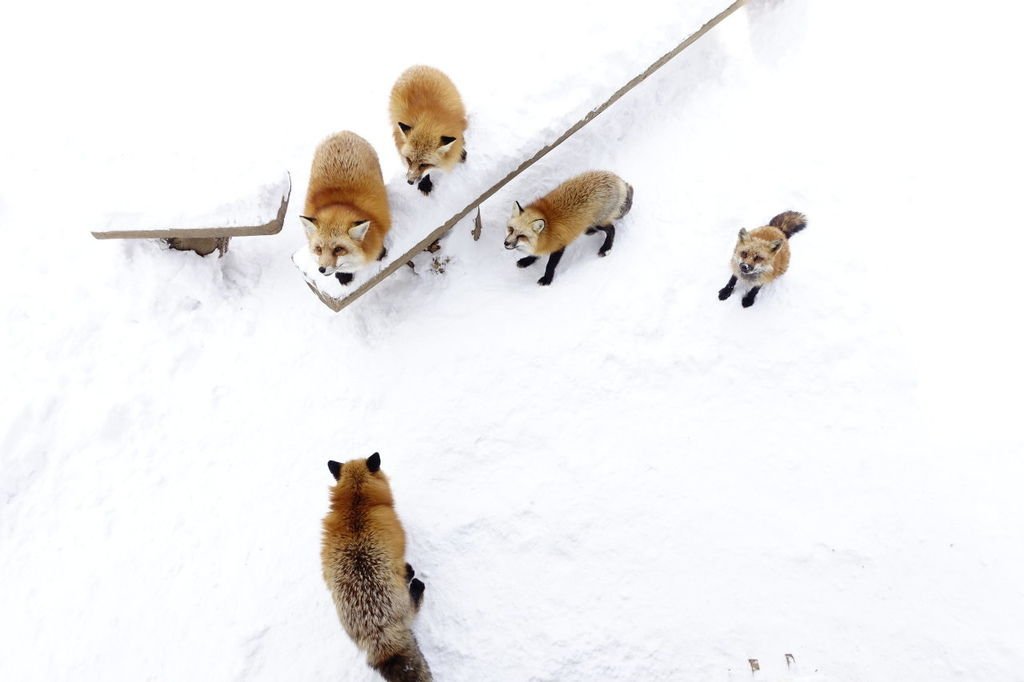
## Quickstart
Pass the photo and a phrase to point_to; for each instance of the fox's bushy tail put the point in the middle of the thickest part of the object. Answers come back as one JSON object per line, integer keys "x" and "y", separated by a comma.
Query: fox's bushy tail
{"x": 627, "y": 203}
{"x": 408, "y": 665}
{"x": 790, "y": 222}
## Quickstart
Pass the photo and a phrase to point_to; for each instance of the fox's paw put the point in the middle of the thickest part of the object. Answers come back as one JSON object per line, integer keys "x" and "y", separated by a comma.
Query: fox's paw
{"x": 464, "y": 155}
{"x": 545, "y": 281}
{"x": 526, "y": 261}
{"x": 724, "y": 293}
{"x": 416, "y": 588}
{"x": 410, "y": 572}
{"x": 604, "y": 252}
{"x": 344, "y": 277}
{"x": 383, "y": 253}
{"x": 748, "y": 301}
{"x": 426, "y": 185}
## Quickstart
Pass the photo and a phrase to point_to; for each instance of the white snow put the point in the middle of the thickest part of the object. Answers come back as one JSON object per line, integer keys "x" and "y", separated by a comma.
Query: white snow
{"x": 617, "y": 477}
{"x": 197, "y": 198}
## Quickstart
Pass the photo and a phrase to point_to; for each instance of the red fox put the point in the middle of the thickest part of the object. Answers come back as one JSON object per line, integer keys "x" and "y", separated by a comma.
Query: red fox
{"x": 586, "y": 203}
{"x": 428, "y": 121}
{"x": 346, "y": 214}
{"x": 363, "y": 556}
{"x": 762, "y": 255}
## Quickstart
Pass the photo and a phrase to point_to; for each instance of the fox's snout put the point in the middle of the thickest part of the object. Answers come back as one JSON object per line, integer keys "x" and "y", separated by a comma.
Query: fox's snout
{"x": 510, "y": 244}
{"x": 746, "y": 268}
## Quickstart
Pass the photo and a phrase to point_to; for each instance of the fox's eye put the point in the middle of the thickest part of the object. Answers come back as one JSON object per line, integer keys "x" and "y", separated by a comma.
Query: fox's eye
{"x": 318, "y": 250}
{"x": 743, "y": 254}
{"x": 758, "y": 259}
{"x": 339, "y": 250}
{"x": 425, "y": 166}
{"x": 510, "y": 229}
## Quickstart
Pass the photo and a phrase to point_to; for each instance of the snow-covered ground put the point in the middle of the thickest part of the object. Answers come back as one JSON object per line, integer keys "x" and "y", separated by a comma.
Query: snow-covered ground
{"x": 617, "y": 477}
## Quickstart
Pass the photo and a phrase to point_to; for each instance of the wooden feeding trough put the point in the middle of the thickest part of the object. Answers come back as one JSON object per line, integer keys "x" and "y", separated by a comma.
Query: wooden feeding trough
{"x": 264, "y": 217}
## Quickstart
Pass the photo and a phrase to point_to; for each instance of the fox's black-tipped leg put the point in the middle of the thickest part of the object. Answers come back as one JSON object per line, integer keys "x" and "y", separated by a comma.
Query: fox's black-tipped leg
{"x": 609, "y": 239}
{"x": 416, "y": 588}
{"x": 526, "y": 261}
{"x": 463, "y": 157}
{"x": 748, "y": 300}
{"x": 410, "y": 572}
{"x": 344, "y": 277}
{"x": 726, "y": 291}
{"x": 383, "y": 253}
{"x": 426, "y": 185}
{"x": 549, "y": 269}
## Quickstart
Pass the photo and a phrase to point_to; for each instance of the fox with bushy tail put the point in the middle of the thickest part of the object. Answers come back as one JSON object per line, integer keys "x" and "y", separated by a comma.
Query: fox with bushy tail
{"x": 585, "y": 204}
{"x": 375, "y": 592}
{"x": 762, "y": 255}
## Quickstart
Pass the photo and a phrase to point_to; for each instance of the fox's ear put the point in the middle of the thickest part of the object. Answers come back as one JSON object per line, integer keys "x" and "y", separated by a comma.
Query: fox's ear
{"x": 335, "y": 468}
{"x": 776, "y": 245}
{"x": 446, "y": 143}
{"x": 309, "y": 224}
{"x": 517, "y": 210}
{"x": 744, "y": 235}
{"x": 404, "y": 127}
{"x": 358, "y": 231}
{"x": 538, "y": 225}
{"x": 373, "y": 462}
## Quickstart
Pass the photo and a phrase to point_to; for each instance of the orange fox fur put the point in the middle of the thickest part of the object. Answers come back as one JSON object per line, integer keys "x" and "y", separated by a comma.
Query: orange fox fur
{"x": 346, "y": 213}
{"x": 363, "y": 558}
{"x": 762, "y": 255}
{"x": 428, "y": 122}
{"x": 586, "y": 203}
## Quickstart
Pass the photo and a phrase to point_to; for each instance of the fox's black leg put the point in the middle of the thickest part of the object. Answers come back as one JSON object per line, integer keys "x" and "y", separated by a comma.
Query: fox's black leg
{"x": 425, "y": 184}
{"x": 748, "y": 300}
{"x": 609, "y": 239}
{"x": 463, "y": 157}
{"x": 383, "y": 253}
{"x": 410, "y": 573}
{"x": 344, "y": 277}
{"x": 416, "y": 588}
{"x": 526, "y": 261}
{"x": 549, "y": 269}
{"x": 726, "y": 291}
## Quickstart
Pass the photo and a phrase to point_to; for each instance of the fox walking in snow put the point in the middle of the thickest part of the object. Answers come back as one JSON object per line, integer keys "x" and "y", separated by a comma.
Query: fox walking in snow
{"x": 346, "y": 214}
{"x": 762, "y": 255}
{"x": 586, "y": 203}
{"x": 428, "y": 122}
{"x": 363, "y": 557}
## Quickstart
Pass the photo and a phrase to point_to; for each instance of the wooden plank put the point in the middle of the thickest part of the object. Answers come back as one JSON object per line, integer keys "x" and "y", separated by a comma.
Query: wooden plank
{"x": 337, "y": 304}
{"x": 272, "y": 227}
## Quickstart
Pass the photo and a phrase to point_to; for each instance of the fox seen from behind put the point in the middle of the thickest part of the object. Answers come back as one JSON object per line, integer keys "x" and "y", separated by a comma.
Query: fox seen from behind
{"x": 363, "y": 556}
{"x": 762, "y": 255}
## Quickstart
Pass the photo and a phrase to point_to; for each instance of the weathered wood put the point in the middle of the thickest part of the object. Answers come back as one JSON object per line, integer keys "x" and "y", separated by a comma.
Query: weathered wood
{"x": 204, "y": 246}
{"x": 478, "y": 225}
{"x": 337, "y": 304}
